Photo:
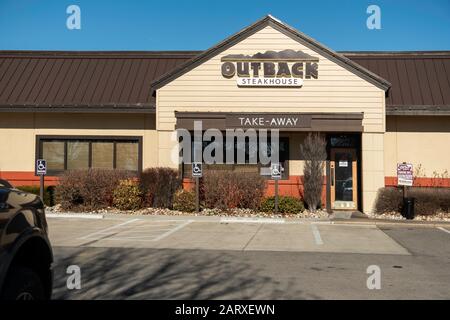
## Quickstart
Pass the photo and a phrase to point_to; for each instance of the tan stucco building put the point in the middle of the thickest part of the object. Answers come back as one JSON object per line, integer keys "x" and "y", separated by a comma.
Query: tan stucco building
{"x": 120, "y": 109}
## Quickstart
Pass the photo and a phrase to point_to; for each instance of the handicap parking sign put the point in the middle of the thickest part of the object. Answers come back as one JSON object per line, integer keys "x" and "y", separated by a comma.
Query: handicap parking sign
{"x": 275, "y": 170}
{"x": 41, "y": 167}
{"x": 197, "y": 170}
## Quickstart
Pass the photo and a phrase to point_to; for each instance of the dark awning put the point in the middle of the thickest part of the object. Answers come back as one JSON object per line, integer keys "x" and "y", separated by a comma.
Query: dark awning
{"x": 306, "y": 122}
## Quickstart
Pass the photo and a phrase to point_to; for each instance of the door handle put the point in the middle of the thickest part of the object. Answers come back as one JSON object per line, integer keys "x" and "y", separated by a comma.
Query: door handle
{"x": 332, "y": 175}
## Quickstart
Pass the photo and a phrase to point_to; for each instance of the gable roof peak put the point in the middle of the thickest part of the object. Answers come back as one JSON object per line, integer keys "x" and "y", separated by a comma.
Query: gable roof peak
{"x": 269, "y": 16}
{"x": 287, "y": 30}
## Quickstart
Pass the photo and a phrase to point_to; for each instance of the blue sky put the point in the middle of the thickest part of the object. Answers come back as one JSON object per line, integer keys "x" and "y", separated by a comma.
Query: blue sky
{"x": 199, "y": 24}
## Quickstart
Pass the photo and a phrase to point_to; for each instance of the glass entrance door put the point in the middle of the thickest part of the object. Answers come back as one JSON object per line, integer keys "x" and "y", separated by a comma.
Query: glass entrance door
{"x": 343, "y": 166}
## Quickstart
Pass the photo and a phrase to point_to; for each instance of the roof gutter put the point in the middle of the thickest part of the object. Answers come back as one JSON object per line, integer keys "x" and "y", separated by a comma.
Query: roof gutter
{"x": 425, "y": 110}
{"x": 150, "y": 109}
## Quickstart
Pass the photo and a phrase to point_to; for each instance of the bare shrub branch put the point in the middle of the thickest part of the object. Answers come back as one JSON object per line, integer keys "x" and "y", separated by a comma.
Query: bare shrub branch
{"x": 313, "y": 150}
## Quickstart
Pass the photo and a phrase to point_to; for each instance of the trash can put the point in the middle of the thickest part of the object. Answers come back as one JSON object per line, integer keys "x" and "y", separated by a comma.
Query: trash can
{"x": 408, "y": 208}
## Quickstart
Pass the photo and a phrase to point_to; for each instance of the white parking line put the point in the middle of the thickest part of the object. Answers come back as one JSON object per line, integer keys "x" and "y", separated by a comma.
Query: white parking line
{"x": 128, "y": 239}
{"x": 168, "y": 233}
{"x": 443, "y": 229}
{"x": 156, "y": 226}
{"x": 316, "y": 234}
{"x": 133, "y": 231}
{"x": 110, "y": 228}
{"x": 74, "y": 216}
{"x": 144, "y": 231}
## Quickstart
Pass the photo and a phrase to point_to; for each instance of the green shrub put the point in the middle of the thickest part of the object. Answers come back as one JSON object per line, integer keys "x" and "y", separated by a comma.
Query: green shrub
{"x": 88, "y": 189}
{"x": 184, "y": 200}
{"x": 286, "y": 204}
{"x": 127, "y": 195}
{"x": 158, "y": 185}
{"x": 428, "y": 201}
{"x": 49, "y": 193}
{"x": 223, "y": 189}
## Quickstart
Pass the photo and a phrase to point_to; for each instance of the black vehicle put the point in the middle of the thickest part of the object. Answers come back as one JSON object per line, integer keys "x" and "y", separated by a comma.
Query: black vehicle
{"x": 25, "y": 253}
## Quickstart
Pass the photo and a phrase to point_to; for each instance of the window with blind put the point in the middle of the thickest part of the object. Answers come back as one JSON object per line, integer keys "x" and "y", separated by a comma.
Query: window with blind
{"x": 247, "y": 166}
{"x": 69, "y": 153}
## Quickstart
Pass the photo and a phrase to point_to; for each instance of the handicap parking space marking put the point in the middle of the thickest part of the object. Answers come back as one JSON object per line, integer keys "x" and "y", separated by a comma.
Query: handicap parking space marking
{"x": 443, "y": 229}
{"x": 106, "y": 230}
{"x": 151, "y": 225}
{"x": 316, "y": 234}
{"x": 138, "y": 230}
{"x": 131, "y": 236}
{"x": 168, "y": 233}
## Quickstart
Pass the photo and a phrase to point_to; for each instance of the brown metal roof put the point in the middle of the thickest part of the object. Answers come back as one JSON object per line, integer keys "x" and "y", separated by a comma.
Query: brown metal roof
{"x": 417, "y": 78}
{"x": 31, "y": 79}
{"x": 120, "y": 81}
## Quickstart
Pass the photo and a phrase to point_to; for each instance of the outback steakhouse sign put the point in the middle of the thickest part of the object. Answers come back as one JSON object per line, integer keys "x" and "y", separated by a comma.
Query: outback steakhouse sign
{"x": 287, "y": 68}
{"x": 267, "y": 121}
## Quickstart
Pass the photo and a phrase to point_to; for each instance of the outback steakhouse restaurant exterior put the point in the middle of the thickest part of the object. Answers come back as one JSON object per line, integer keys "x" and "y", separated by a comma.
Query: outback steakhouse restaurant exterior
{"x": 120, "y": 109}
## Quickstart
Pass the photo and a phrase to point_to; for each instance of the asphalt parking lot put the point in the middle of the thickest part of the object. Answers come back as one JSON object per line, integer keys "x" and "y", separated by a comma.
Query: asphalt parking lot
{"x": 155, "y": 232}
{"x": 181, "y": 258}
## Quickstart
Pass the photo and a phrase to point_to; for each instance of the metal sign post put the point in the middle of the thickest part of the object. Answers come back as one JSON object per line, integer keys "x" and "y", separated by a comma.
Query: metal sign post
{"x": 197, "y": 173}
{"x": 41, "y": 171}
{"x": 276, "y": 196}
{"x": 275, "y": 171}
{"x": 197, "y": 194}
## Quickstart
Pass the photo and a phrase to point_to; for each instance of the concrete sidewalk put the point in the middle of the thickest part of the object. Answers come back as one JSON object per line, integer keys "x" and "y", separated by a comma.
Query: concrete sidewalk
{"x": 360, "y": 219}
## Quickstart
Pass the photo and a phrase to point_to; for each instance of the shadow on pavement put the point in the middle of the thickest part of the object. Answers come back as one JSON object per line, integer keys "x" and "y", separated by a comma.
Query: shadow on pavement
{"x": 129, "y": 273}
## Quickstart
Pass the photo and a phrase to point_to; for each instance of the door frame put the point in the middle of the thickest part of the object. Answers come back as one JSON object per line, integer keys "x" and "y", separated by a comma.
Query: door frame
{"x": 355, "y": 161}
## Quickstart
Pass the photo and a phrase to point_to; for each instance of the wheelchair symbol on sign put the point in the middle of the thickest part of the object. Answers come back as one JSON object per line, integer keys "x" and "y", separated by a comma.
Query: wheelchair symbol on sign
{"x": 196, "y": 169}
{"x": 41, "y": 167}
{"x": 276, "y": 171}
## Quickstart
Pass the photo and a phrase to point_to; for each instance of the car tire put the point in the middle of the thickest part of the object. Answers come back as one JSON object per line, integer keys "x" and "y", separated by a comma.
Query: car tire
{"x": 23, "y": 283}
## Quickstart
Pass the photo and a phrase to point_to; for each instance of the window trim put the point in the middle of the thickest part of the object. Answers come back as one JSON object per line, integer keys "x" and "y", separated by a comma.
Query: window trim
{"x": 65, "y": 138}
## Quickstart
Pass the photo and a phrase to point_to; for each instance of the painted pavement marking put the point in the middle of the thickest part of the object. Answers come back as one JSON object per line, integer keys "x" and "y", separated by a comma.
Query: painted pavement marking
{"x": 109, "y": 229}
{"x": 443, "y": 229}
{"x": 316, "y": 234}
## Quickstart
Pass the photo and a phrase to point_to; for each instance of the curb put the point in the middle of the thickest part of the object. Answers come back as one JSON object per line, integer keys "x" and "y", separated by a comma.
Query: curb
{"x": 398, "y": 224}
{"x": 224, "y": 219}
{"x": 74, "y": 216}
{"x": 252, "y": 220}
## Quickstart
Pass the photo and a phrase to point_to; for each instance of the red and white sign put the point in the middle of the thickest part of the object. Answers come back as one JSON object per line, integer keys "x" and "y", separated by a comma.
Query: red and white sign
{"x": 404, "y": 174}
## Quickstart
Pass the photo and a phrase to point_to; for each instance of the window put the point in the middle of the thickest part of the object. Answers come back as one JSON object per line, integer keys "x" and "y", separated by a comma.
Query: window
{"x": 251, "y": 151}
{"x": 342, "y": 141}
{"x": 53, "y": 152}
{"x": 127, "y": 155}
{"x": 68, "y": 153}
{"x": 77, "y": 155}
{"x": 103, "y": 155}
